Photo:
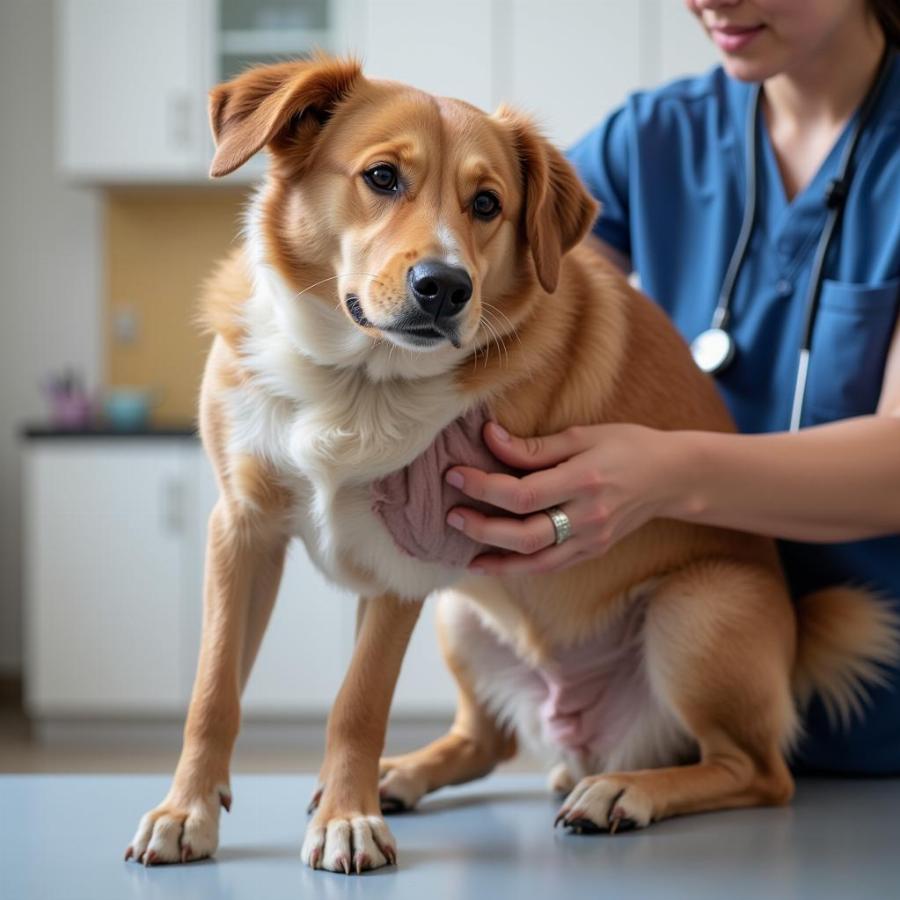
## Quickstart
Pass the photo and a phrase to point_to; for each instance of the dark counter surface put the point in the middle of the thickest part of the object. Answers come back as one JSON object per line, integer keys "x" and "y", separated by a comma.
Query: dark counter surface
{"x": 36, "y": 431}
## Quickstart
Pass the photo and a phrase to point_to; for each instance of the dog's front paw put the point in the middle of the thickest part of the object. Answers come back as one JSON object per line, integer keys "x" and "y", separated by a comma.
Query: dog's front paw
{"x": 179, "y": 830}
{"x": 348, "y": 843}
{"x": 606, "y": 803}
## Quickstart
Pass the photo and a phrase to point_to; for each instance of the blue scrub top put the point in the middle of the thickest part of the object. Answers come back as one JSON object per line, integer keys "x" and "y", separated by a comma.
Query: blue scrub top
{"x": 669, "y": 170}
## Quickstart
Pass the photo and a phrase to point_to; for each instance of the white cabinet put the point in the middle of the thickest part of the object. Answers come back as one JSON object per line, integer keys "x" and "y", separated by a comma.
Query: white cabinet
{"x": 116, "y": 534}
{"x": 308, "y": 643}
{"x": 133, "y": 75}
{"x": 104, "y": 565}
{"x": 132, "y": 78}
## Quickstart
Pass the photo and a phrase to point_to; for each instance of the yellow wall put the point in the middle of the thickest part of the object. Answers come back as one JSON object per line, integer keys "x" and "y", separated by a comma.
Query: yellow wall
{"x": 160, "y": 245}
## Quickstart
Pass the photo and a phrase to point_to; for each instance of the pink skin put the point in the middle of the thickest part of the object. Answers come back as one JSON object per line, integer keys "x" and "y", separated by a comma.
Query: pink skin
{"x": 608, "y": 479}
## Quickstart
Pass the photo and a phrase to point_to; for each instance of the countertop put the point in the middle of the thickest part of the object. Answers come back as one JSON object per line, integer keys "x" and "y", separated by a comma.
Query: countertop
{"x": 37, "y": 431}
{"x": 64, "y": 837}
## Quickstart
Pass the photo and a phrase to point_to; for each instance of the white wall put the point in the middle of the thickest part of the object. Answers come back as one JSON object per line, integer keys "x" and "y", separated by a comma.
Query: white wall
{"x": 50, "y": 279}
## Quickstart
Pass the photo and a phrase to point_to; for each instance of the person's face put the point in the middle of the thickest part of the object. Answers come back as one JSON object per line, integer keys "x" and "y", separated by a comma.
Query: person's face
{"x": 761, "y": 38}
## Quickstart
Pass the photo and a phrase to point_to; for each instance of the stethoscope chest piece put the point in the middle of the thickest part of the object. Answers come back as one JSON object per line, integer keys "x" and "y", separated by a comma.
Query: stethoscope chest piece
{"x": 713, "y": 350}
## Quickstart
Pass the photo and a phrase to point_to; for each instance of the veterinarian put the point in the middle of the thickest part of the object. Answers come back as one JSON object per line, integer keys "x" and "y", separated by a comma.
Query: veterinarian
{"x": 759, "y": 205}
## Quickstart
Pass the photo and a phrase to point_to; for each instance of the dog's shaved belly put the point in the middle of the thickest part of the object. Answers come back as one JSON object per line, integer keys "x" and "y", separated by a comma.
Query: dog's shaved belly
{"x": 592, "y": 691}
{"x": 591, "y": 705}
{"x": 413, "y": 502}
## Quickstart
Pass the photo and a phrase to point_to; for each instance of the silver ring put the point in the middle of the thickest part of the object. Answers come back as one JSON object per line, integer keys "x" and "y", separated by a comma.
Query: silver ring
{"x": 562, "y": 526}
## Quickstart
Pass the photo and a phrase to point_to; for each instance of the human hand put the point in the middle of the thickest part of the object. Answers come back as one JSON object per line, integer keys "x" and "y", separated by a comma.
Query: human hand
{"x": 608, "y": 479}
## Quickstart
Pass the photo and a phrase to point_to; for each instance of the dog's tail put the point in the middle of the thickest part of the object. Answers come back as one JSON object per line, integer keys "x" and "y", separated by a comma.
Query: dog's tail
{"x": 846, "y": 639}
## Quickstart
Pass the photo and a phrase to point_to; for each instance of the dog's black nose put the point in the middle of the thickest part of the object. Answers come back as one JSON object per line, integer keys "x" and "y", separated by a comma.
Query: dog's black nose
{"x": 440, "y": 290}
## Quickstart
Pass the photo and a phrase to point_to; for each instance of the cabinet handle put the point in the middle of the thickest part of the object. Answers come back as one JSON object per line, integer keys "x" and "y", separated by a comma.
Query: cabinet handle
{"x": 179, "y": 115}
{"x": 173, "y": 506}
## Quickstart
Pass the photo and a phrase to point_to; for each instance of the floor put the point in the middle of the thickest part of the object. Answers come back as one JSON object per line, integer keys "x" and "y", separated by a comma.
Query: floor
{"x": 63, "y": 837}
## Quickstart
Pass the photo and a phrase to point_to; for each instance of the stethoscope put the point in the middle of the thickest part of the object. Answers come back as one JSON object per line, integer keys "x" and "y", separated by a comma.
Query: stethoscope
{"x": 714, "y": 349}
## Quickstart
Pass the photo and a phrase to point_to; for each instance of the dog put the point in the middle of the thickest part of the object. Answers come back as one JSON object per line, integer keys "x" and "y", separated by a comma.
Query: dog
{"x": 411, "y": 268}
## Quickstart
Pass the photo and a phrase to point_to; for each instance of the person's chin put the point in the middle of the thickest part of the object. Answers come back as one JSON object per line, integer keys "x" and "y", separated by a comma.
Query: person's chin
{"x": 760, "y": 59}
{"x": 749, "y": 69}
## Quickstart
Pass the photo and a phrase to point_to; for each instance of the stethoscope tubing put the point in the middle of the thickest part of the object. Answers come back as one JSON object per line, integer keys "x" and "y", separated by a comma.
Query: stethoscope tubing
{"x": 835, "y": 199}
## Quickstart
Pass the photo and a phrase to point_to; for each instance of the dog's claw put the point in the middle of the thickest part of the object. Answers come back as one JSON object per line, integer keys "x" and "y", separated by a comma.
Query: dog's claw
{"x": 362, "y": 862}
{"x": 129, "y": 853}
{"x": 225, "y": 800}
{"x": 314, "y": 855}
{"x": 345, "y": 864}
{"x": 186, "y": 853}
{"x": 580, "y": 823}
{"x": 314, "y": 801}
{"x": 149, "y": 858}
{"x": 388, "y": 851}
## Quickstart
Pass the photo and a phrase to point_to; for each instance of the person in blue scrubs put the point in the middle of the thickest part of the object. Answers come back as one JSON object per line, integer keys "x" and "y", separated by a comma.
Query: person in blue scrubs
{"x": 669, "y": 168}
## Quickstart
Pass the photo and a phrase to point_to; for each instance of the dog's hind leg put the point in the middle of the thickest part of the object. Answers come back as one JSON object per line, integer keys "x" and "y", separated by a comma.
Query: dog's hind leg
{"x": 719, "y": 646}
{"x": 476, "y": 742}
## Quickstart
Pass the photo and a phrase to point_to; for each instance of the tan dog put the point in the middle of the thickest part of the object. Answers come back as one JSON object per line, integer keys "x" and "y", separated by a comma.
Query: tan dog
{"x": 411, "y": 260}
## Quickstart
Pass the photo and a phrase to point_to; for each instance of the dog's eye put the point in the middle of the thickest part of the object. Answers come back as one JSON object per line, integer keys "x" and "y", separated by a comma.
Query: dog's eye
{"x": 382, "y": 178}
{"x": 486, "y": 205}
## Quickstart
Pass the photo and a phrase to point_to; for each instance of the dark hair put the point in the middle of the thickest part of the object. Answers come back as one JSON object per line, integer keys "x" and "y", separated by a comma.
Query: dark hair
{"x": 887, "y": 14}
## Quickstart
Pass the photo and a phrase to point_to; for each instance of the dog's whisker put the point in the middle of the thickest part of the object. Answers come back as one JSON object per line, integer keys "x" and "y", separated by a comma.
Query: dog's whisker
{"x": 333, "y": 278}
{"x": 498, "y": 338}
{"x": 487, "y": 347}
{"x": 499, "y": 318}
{"x": 512, "y": 329}
{"x": 501, "y": 337}
{"x": 492, "y": 331}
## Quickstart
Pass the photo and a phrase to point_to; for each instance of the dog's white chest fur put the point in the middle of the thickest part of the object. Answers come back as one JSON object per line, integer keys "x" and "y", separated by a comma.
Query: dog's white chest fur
{"x": 332, "y": 413}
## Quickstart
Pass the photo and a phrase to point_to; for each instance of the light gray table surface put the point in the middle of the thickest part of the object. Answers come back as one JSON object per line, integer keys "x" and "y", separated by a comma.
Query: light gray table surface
{"x": 62, "y": 838}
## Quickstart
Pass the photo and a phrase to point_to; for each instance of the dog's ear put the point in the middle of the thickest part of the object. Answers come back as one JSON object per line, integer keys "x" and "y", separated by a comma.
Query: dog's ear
{"x": 558, "y": 211}
{"x": 265, "y": 104}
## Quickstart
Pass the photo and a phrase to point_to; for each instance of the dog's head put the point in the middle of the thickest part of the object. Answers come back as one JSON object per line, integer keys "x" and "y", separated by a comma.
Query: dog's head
{"x": 428, "y": 220}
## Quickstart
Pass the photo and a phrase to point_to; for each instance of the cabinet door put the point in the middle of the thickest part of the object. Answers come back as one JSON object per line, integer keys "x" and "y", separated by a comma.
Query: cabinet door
{"x": 425, "y": 688}
{"x": 132, "y": 87}
{"x": 308, "y": 643}
{"x": 104, "y": 558}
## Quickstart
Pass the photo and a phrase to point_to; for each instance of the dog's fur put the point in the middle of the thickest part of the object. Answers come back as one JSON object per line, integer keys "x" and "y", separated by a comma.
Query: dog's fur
{"x": 302, "y": 407}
